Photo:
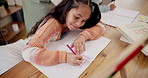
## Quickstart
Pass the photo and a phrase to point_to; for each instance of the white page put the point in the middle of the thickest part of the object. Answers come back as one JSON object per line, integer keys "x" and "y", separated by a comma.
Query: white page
{"x": 123, "y": 38}
{"x": 65, "y": 70}
{"x": 141, "y": 18}
{"x": 119, "y": 16}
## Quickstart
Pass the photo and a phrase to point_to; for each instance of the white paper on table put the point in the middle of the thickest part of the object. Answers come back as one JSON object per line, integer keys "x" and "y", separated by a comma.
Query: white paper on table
{"x": 65, "y": 70}
{"x": 141, "y": 18}
{"x": 119, "y": 16}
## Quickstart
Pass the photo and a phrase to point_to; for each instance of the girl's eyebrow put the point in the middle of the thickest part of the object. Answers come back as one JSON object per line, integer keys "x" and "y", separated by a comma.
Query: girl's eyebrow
{"x": 82, "y": 17}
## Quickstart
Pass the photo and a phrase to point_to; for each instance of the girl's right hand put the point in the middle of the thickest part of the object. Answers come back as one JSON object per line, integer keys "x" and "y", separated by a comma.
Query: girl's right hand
{"x": 74, "y": 59}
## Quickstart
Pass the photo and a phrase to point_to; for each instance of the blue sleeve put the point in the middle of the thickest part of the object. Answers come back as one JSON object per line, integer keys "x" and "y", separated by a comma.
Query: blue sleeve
{"x": 103, "y": 8}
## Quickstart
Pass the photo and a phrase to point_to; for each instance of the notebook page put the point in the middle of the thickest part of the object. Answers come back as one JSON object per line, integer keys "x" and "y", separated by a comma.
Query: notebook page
{"x": 119, "y": 16}
{"x": 65, "y": 70}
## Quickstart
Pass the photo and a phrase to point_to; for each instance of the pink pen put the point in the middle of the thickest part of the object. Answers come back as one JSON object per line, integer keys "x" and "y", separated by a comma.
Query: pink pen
{"x": 71, "y": 50}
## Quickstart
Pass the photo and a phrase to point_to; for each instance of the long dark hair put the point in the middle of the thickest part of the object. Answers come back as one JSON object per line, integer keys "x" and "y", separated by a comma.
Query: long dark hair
{"x": 95, "y": 17}
{"x": 60, "y": 12}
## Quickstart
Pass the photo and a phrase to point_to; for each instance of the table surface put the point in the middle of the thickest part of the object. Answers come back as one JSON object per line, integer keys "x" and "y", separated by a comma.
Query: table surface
{"x": 136, "y": 68}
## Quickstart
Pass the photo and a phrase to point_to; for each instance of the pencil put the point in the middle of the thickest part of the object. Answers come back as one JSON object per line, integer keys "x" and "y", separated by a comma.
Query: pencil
{"x": 128, "y": 58}
{"x": 125, "y": 57}
{"x": 71, "y": 49}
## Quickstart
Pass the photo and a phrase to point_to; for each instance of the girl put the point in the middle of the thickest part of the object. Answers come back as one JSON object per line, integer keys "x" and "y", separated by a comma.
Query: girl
{"x": 68, "y": 15}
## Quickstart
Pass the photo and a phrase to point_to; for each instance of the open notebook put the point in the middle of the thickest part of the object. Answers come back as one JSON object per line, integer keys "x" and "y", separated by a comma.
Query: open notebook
{"x": 65, "y": 70}
{"x": 119, "y": 16}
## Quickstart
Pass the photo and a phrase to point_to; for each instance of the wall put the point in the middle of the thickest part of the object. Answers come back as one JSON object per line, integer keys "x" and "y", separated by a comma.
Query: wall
{"x": 34, "y": 11}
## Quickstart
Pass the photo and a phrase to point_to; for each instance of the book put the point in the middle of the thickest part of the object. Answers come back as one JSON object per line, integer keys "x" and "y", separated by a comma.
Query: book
{"x": 141, "y": 18}
{"x": 65, "y": 70}
{"x": 133, "y": 32}
{"x": 119, "y": 16}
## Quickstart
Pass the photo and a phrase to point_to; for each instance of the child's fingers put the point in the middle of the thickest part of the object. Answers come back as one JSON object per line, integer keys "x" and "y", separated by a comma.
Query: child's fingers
{"x": 79, "y": 48}
{"x": 79, "y": 57}
{"x": 78, "y": 62}
{"x": 75, "y": 48}
{"x": 83, "y": 48}
{"x": 72, "y": 45}
{"x": 74, "y": 59}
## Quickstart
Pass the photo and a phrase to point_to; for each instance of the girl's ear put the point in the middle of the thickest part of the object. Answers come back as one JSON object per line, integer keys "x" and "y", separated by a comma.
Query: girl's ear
{"x": 95, "y": 17}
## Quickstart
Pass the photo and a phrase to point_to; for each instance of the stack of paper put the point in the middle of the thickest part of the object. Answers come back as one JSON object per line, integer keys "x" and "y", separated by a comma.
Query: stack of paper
{"x": 133, "y": 32}
{"x": 65, "y": 70}
{"x": 141, "y": 18}
{"x": 119, "y": 16}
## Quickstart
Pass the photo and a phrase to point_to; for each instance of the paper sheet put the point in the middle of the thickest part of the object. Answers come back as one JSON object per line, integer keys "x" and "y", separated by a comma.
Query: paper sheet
{"x": 119, "y": 16}
{"x": 65, "y": 70}
{"x": 141, "y": 18}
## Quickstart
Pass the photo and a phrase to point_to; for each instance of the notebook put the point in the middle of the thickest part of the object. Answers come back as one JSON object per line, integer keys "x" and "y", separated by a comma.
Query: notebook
{"x": 119, "y": 16}
{"x": 141, "y": 18}
{"x": 65, "y": 70}
{"x": 133, "y": 32}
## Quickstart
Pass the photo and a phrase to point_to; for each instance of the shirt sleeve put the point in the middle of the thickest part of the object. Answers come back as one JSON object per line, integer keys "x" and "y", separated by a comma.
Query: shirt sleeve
{"x": 104, "y": 8}
{"x": 36, "y": 51}
{"x": 94, "y": 32}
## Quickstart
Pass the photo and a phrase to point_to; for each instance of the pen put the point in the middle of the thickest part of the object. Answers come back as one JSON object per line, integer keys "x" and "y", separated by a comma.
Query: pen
{"x": 125, "y": 57}
{"x": 71, "y": 49}
{"x": 128, "y": 58}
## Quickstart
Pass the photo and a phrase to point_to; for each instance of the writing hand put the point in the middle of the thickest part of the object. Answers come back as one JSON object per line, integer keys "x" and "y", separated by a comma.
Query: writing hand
{"x": 74, "y": 59}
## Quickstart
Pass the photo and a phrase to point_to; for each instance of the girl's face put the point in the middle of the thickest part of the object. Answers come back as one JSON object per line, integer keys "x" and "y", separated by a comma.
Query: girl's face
{"x": 77, "y": 17}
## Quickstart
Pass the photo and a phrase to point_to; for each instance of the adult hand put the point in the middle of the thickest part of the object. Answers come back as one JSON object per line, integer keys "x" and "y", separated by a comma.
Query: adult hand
{"x": 112, "y": 6}
{"x": 79, "y": 44}
{"x": 74, "y": 59}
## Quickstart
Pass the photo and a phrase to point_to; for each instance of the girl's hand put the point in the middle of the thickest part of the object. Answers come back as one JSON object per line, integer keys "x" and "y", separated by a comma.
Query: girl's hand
{"x": 74, "y": 59}
{"x": 79, "y": 44}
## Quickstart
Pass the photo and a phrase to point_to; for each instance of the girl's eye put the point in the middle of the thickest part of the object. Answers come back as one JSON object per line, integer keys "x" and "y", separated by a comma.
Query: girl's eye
{"x": 84, "y": 20}
{"x": 76, "y": 17}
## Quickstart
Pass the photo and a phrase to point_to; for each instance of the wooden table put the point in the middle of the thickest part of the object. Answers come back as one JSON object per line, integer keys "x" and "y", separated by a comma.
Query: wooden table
{"x": 136, "y": 68}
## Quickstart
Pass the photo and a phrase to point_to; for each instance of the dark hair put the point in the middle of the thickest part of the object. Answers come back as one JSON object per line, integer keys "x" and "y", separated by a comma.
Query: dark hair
{"x": 95, "y": 17}
{"x": 60, "y": 12}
